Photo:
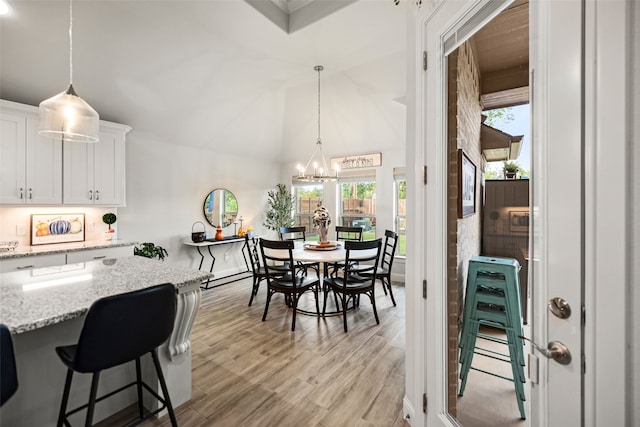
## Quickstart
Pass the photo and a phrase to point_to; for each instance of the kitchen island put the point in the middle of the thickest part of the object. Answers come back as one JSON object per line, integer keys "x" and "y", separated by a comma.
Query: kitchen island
{"x": 45, "y": 308}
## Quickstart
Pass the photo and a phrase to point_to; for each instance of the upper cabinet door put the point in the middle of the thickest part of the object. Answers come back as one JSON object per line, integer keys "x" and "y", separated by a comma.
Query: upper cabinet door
{"x": 94, "y": 174}
{"x": 31, "y": 164}
{"x": 44, "y": 167}
{"x": 109, "y": 169}
{"x": 78, "y": 173}
{"x": 12, "y": 159}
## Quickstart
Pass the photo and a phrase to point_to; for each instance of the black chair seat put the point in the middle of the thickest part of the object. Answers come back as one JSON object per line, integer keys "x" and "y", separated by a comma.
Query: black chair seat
{"x": 302, "y": 284}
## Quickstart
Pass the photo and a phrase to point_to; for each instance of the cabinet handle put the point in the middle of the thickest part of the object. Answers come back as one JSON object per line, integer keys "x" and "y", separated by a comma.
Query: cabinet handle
{"x": 97, "y": 195}
{"x": 24, "y": 267}
{"x": 99, "y": 257}
{"x": 21, "y": 193}
{"x": 90, "y": 194}
{"x": 30, "y": 193}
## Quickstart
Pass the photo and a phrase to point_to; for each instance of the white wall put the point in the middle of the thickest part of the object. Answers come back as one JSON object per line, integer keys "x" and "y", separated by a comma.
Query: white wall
{"x": 633, "y": 390}
{"x": 166, "y": 188}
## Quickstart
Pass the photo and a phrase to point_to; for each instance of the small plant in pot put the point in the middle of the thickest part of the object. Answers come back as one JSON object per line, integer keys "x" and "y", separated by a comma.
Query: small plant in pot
{"x": 150, "y": 250}
{"x": 510, "y": 170}
{"x": 109, "y": 218}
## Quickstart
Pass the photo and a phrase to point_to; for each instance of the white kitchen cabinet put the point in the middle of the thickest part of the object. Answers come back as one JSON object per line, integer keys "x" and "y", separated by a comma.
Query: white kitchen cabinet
{"x": 94, "y": 174}
{"x": 30, "y": 164}
{"x": 102, "y": 253}
{"x": 35, "y": 261}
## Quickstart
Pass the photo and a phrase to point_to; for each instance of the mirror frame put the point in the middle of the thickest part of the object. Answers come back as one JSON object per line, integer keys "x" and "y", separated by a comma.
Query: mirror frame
{"x": 208, "y": 213}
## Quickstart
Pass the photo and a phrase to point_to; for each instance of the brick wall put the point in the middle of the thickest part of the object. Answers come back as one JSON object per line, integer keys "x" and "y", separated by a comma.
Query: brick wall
{"x": 463, "y": 130}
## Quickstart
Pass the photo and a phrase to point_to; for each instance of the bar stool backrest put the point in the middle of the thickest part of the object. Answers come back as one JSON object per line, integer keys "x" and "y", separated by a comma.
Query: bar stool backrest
{"x": 8, "y": 373}
{"x": 120, "y": 328}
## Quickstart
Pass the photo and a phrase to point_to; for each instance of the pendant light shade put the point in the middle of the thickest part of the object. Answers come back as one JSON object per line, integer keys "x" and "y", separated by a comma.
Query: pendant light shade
{"x": 66, "y": 115}
{"x": 321, "y": 173}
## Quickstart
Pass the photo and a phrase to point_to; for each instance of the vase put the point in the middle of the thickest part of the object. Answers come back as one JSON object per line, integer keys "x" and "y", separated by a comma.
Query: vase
{"x": 322, "y": 233}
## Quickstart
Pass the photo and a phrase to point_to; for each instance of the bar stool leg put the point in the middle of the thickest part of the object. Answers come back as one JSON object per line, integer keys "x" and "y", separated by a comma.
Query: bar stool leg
{"x": 92, "y": 398}
{"x": 65, "y": 398}
{"x": 139, "y": 387}
{"x": 163, "y": 385}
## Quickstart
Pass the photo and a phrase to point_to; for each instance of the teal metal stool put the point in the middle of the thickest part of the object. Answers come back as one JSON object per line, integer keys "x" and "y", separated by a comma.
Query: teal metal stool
{"x": 493, "y": 299}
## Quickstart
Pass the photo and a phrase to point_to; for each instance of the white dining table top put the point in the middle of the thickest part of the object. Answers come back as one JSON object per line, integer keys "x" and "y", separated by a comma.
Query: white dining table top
{"x": 338, "y": 254}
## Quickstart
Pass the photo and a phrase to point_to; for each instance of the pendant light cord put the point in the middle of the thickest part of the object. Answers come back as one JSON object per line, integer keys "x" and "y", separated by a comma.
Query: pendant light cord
{"x": 70, "y": 42}
{"x": 319, "y": 68}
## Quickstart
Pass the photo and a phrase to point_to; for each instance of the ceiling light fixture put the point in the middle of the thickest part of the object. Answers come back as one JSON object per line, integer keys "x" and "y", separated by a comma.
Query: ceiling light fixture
{"x": 321, "y": 173}
{"x": 67, "y": 115}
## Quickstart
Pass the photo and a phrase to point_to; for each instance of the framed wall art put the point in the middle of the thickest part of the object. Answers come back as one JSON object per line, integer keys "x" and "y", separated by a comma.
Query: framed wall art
{"x": 466, "y": 185}
{"x": 57, "y": 228}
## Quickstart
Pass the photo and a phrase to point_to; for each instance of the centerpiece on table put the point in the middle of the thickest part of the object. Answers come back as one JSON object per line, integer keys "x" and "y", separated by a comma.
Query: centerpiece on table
{"x": 321, "y": 221}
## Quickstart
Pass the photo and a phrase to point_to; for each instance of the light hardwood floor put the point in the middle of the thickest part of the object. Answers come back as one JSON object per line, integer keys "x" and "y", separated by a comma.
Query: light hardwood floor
{"x": 252, "y": 373}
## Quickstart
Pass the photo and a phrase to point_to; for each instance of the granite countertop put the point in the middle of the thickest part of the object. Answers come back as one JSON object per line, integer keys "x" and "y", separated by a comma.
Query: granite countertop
{"x": 63, "y": 248}
{"x": 32, "y": 299}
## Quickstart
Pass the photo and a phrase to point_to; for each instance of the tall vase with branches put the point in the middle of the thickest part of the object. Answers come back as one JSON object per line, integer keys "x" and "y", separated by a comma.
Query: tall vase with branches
{"x": 281, "y": 207}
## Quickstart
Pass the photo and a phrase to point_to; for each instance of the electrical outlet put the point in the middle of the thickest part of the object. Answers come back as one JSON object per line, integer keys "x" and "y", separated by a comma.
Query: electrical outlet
{"x": 21, "y": 230}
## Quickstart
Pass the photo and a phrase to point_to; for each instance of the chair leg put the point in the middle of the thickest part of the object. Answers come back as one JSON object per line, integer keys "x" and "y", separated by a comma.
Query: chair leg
{"x": 373, "y": 304}
{"x": 163, "y": 385}
{"x": 65, "y": 398}
{"x": 294, "y": 303}
{"x": 266, "y": 305}
{"x": 254, "y": 289}
{"x": 92, "y": 398}
{"x": 387, "y": 280}
{"x": 139, "y": 387}
{"x": 344, "y": 310}
{"x": 315, "y": 292}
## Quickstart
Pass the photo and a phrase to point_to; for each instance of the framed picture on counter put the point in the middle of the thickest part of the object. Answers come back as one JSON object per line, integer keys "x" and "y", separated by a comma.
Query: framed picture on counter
{"x": 57, "y": 228}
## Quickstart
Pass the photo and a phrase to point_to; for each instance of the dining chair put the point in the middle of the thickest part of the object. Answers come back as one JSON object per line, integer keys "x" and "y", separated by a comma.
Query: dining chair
{"x": 275, "y": 254}
{"x": 116, "y": 330}
{"x": 356, "y": 280}
{"x": 8, "y": 371}
{"x": 343, "y": 234}
{"x": 259, "y": 272}
{"x": 299, "y": 234}
{"x": 386, "y": 263}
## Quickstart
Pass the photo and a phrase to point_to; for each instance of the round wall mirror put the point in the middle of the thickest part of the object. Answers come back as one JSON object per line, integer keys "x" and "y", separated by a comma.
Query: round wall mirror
{"x": 220, "y": 207}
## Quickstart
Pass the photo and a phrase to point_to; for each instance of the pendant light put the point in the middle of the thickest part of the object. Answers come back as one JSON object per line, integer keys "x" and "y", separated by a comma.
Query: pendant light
{"x": 321, "y": 173}
{"x": 67, "y": 115}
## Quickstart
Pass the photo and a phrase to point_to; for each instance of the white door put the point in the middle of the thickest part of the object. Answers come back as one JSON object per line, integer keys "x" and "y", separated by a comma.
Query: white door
{"x": 580, "y": 229}
{"x": 109, "y": 158}
{"x": 12, "y": 159}
{"x": 44, "y": 167}
{"x": 78, "y": 173}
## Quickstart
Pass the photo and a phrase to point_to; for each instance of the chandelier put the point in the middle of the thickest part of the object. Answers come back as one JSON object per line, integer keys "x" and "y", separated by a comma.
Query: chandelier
{"x": 321, "y": 173}
{"x": 66, "y": 114}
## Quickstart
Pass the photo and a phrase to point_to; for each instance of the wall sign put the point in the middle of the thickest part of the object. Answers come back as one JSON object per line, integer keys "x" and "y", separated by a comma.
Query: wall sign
{"x": 357, "y": 162}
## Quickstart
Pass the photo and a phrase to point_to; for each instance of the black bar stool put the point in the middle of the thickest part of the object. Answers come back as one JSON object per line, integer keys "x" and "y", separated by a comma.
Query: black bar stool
{"x": 8, "y": 372}
{"x": 117, "y": 330}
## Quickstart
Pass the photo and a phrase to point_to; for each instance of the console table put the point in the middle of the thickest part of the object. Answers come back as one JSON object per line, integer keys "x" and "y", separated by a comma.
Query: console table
{"x": 213, "y": 282}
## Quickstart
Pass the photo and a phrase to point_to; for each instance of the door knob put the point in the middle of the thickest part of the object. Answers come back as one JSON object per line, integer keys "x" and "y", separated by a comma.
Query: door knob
{"x": 555, "y": 350}
{"x": 559, "y": 307}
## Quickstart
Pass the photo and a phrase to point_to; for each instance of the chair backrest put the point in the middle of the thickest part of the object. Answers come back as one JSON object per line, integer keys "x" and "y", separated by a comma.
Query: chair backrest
{"x": 367, "y": 254}
{"x": 353, "y": 234}
{"x": 277, "y": 258}
{"x": 120, "y": 328}
{"x": 254, "y": 254}
{"x": 8, "y": 371}
{"x": 389, "y": 251}
{"x": 293, "y": 233}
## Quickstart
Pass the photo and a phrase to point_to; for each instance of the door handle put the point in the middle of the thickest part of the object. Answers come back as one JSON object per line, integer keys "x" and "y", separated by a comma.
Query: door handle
{"x": 90, "y": 194}
{"x": 555, "y": 350}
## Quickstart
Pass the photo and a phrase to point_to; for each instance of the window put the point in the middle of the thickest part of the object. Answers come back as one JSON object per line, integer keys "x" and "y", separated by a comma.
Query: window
{"x": 357, "y": 198}
{"x": 308, "y": 196}
{"x": 400, "y": 209}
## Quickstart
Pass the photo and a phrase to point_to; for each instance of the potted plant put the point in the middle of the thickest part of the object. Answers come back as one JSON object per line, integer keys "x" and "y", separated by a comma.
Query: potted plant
{"x": 510, "y": 170}
{"x": 149, "y": 250}
{"x": 281, "y": 205}
{"x": 109, "y": 218}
